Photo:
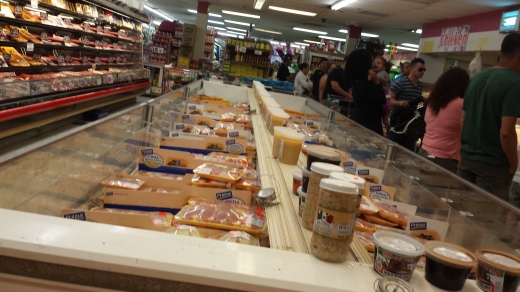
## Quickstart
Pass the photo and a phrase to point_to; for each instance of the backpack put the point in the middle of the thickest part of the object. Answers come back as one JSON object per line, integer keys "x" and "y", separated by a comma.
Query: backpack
{"x": 410, "y": 121}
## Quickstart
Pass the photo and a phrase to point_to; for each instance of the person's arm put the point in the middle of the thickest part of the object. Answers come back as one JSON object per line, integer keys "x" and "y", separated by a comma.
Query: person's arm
{"x": 290, "y": 78}
{"x": 323, "y": 83}
{"x": 339, "y": 90}
{"x": 508, "y": 139}
{"x": 395, "y": 90}
{"x": 462, "y": 116}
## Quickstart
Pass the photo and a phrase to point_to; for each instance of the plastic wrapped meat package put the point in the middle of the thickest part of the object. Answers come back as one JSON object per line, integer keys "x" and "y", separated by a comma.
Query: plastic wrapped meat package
{"x": 185, "y": 230}
{"x": 123, "y": 183}
{"x": 238, "y": 237}
{"x": 367, "y": 239}
{"x": 162, "y": 219}
{"x": 222, "y": 215}
{"x": 239, "y": 160}
{"x": 253, "y": 185}
{"x": 227, "y": 117}
{"x": 221, "y": 129}
{"x": 219, "y": 172}
{"x": 208, "y": 183}
{"x": 363, "y": 226}
{"x": 160, "y": 175}
{"x": 390, "y": 213}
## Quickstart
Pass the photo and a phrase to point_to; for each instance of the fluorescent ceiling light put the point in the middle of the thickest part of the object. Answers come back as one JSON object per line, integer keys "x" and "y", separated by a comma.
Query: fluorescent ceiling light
{"x": 314, "y": 42}
{"x": 227, "y": 34}
{"x": 310, "y": 30}
{"x": 331, "y": 38}
{"x": 238, "y": 23}
{"x": 236, "y": 32}
{"x": 407, "y": 49}
{"x": 343, "y": 31}
{"x": 241, "y": 37}
{"x": 268, "y": 31}
{"x": 240, "y": 14}
{"x": 157, "y": 12}
{"x": 418, "y": 30}
{"x": 210, "y": 14}
{"x": 259, "y": 4}
{"x": 410, "y": 45}
{"x": 341, "y": 4}
{"x": 219, "y": 28}
{"x": 216, "y": 22}
{"x": 369, "y": 35}
{"x": 237, "y": 29}
{"x": 157, "y": 22}
{"x": 302, "y": 44}
{"x": 292, "y": 11}
{"x": 274, "y": 42}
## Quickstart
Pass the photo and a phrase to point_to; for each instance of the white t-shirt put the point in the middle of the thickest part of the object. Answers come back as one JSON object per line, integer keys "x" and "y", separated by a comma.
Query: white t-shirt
{"x": 301, "y": 82}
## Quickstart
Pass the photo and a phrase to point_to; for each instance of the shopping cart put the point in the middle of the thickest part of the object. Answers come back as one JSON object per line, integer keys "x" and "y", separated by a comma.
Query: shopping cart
{"x": 341, "y": 104}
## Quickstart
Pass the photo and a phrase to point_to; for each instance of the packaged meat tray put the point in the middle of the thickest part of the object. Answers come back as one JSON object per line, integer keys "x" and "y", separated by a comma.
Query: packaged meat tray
{"x": 253, "y": 185}
{"x": 185, "y": 230}
{"x": 227, "y": 117}
{"x": 226, "y": 216}
{"x": 367, "y": 239}
{"x": 162, "y": 219}
{"x": 219, "y": 172}
{"x": 123, "y": 183}
{"x": 238, "y": 237}
{"x": 208, "y": 183}
{"x": 216, "y": 157}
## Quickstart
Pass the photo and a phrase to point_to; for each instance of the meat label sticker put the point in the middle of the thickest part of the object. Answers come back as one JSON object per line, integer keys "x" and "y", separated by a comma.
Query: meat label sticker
{"x": 96, "y": 60}
{"x": 37, "y": 57}
{"x": 18, "y": 10}
{"x": 85, "y": 40}
{"x": 86, "y": 25}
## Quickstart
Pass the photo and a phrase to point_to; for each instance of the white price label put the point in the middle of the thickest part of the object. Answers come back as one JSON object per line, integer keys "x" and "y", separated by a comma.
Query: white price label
{"x": 243, "y": 49}
{"x": 257, "y": 52}
{"x": 18, "y": 10}
{"x": 96, "y": 60}
{"x": 34, "y": 4}
{"x": 30, "y": 47}
{"x": 110, "y": 79}
{"x": 86, "y": 41}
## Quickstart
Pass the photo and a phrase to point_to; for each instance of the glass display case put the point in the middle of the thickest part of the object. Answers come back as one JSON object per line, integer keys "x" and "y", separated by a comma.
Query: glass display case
{"x": 65, "y": 172}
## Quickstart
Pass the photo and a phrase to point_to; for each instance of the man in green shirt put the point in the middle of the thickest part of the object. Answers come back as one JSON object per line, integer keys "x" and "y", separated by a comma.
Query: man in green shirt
{"x": 491, "y": 107}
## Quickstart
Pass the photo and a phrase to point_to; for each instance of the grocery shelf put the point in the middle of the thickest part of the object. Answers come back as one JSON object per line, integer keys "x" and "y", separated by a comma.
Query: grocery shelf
{"x": 44, "y": 69}
{"x": 63, "y": 47}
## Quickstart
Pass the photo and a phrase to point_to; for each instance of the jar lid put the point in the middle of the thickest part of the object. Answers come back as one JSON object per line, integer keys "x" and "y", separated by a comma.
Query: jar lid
{"x": 324, "y": 152}
{"x": 339, "y": 186}
{"x": 359, "y": 182}
{"x": 297, "y": 173}
{"x": 393, "y": 284}
{"x": 500, "y": 260}
{"x": 301, "y": 193}
{"x": 293, "y": 136}
{"x": 398, "y": 243}
{"x": 305, "y": 172}
{"x": 325, "y": 168}
{"x": 450, "y": 254}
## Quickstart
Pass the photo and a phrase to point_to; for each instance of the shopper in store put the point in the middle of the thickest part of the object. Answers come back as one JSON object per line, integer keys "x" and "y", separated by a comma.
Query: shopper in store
{"x": 489, "y": 156}
{"x": 367, "y": 91}
{"x": 337, "y": 82}
{"x": 323, "y": 80}
{"x": 441, "y": 143}
{"x": 283, "y": 71}
{"x": 402, "y": 93}
{"x": 302, "y": 84}
{"x": 382, "y": 68}
{"x": 316, "y": 77}
{"x": 405, "y": 71}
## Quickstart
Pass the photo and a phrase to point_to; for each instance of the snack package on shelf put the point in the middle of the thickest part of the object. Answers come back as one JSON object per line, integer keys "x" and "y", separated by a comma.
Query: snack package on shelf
{"x": 219, "y": 172}
{"x": 185, "y": 230}
{"x": 226, "y": 216}
{"x": 227, "y": 117}
{"x": 222, "y": 129}
{"x": 238, "y": 237}
{"x": 208, "y": 183}
{"x": 367, "y": 239}
{"x": 163, "y": 219}
{"x": 123, "y": 183}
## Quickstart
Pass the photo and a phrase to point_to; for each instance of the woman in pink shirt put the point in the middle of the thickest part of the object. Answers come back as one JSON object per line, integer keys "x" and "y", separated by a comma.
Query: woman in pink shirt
{"x": 441, "y": 143}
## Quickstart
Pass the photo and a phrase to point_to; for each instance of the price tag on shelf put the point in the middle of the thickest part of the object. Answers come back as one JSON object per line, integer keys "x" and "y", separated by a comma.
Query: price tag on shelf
{"x": 257, "y": 52}
{"x": 61, "y": 59}
{"x": 85, "y": 40}
{"x": 96, "y": 60}
{"x": 105, "y": 44}
{"x": 110, "y": 59}
{"x": 14, "y": 32}
{"x": 43, "y": 15}
{"x": 110, "y": 79}
{"x": 66, "y": 39}
{"x": 68, "y": 58}
{"x": 30, "y": 47}
{"x": 66, "y": 20}
{"x": 7, "y": 57}
{"x": 97, "y": 43}
{"x": 107, "y": 29}
{"x": 34, "y": 4}
{"x": 84, "y": 59}
{"x": 115, "y": 46}
{"x": 243, "y": 49}
{"x": 43, "y": 36}
{"x": 99, "y": 29}
{"x": 18, "y": 10}
{"x": 37, "y": 57}
{"x": 118, "y": 59}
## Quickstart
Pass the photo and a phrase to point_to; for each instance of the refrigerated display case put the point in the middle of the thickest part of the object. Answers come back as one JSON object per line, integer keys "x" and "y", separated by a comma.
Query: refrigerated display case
{"x": 39, "y": 248}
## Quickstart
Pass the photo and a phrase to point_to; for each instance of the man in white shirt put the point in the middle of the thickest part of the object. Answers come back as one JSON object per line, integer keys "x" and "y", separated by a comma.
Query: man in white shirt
{"x": 302, "y": 84}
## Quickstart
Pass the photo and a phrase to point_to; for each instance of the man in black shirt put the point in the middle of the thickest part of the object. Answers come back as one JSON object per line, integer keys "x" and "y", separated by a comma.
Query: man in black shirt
{"x": 316, "y": 77}
{"x": 283, "y": 71}
{"x": 337, "y": 82}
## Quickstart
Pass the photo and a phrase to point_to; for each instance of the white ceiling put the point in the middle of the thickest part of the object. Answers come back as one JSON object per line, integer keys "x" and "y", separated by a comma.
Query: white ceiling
{"x": 393, "y": 20}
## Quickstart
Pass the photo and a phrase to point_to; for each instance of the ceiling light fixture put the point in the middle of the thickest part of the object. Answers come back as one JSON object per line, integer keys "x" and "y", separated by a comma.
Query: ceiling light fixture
{"x": 410, "y": 45}
{"x": 369, "y": 35}
{"x": 216, "y": 22}
{"x": 237, "y": 32}
{"x": 239, "y": 23}
{"x": 287, "y": 10}
{"x": 419, "y": 31}
{"x": 268, "y": 31}
{"x": 314, "y": 42}
{"x": 343, "y": 31}
{"x": 259, "y": 4}
{"x": 219, "y": 28}
{"x": 157, "y": 22}
{"x": 227, "y": 34}
{"x": 237, "y": 29}
{"x": 331, "y": 38}
{"x": 309, "y": 30}
{"x": 302, "y": 44}
{"x": 240, "y": 14}
{"x": 274, "y": 42}
{"x": 341, "y": 4}
{"x": 156, "y": 11}
{"x": 406, "y": 49}
{"x": 210, "y": 14}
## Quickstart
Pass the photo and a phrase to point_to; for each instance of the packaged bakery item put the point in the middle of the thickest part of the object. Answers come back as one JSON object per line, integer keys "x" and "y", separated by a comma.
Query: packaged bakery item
{"x": 123, "y": 183}
{"x": 239, "y": 237}
{"x": 319, "y": 170}
{"x": 363, "y": 226}
{"x": 201, "y": 130}
{"x": 448, "y": 265}
{"x": 185, "y": 230}
{"x": 367, "y": 239}
{"x": 335, "y": 220}
{"x": 222, "y": 129}
{"x": 219, "y": 172}
{"x": 208, "y": 183}
{"x": 497, "y": 270}
{"x": 243, "y": 119}
{"x": 227, "y": 117}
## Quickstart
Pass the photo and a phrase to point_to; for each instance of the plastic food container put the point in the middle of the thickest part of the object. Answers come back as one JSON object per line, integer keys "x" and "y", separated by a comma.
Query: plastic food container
{"x": 278, "y": 137}
{"x": 297, "y": 180}
{"x": 290, "y": 147}
{"x": 497, "y": 271}
{"x": 319, "y": 170}
{"x": 396, "y": 254}
{"x": 219, "y": 172}
{"x": 306, "y": 174}
{"x": 358, "y": 181}
{"x": 448, "y": 265}
{"x": 278, "y": 118}
{"x": 303, "y": 198}
{"x": 269, "y": 113}
{"x": 319, "y": 153}
{"x": 269, "y": 104}
{"x": 335, "y": 222}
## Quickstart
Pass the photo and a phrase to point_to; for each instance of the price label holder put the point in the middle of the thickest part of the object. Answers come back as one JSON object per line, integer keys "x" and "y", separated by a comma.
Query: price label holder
{"x": 18, "y": 10}
{"x": 110, "y": 59}
{"x": 43, "y": 36}
{"x": 257, "y": 52}
{"x": 61, "y": 59}
{"x": 86, "y": 25}
{"x": 66, "y": 19}
{"x": 14, "y": 32}
{"x": 34, "y": 4}
{"x": 105, "y": 44}
{"x": 242, "y": 49}
{"x": 66, "y": 39}
{"x": 37, "y": 57}
{"x": 85, "y": 40}
{"x": 115, "y": 46}
{"x": 84, "y": 59}
{"x": 68, "y": 58}
{"x": 43, "y": 15}
{"x": 97, "y": 60}
{"x": 99, "y": 29}
{"x": 7, "y": 57}
{"x": 30, "y": 47}
{"x": 97, "y": 43}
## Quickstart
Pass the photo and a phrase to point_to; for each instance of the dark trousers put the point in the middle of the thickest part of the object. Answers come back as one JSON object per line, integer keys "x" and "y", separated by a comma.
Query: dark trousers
{"x": 403, "y": 140}
{"x": 449, "y": 164}
{"x": 495, "y": 179}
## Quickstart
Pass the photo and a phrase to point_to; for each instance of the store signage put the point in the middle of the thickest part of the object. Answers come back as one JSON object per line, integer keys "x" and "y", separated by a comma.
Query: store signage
{"x": 34, "y": 4}
{"x": 242, "y": 49}
{"x": 454, "y": 39}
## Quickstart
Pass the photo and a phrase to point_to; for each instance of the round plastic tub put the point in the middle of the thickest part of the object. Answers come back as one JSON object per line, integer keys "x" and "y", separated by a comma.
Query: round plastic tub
{"x": 270, "y": 103}
{"x": 306, "y": 174}
{"x": 319, "y": 153}
{"x": 335, "y": 220}
{"x": 448, "y": 265}
{"x": 396, "y": 254}
{"x": 290, "y": 147}
{"x": 302, "y": 199}
{"x": 278, "y": 118}
{"x": 296, "y": 180}
{"x": 497, "y": 271}
{"x": 277, "y": 138}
